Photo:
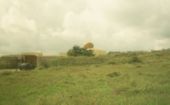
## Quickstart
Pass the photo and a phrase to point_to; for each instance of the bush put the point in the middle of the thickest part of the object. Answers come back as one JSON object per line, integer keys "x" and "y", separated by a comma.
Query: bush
{"x": 43, "y": 64}
{"x": 135, "y": 59}
{"x": 78, "y": 51}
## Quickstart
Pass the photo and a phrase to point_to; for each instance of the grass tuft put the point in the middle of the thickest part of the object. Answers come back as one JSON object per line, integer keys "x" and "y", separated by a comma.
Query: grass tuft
{"x": 114, "y": 74}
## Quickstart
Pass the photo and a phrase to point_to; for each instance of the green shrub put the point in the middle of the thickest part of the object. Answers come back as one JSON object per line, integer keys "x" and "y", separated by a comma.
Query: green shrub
{"x": 78, "y": 51}
{"x": 135, "y": 59}
{"x": 43, "y": 64}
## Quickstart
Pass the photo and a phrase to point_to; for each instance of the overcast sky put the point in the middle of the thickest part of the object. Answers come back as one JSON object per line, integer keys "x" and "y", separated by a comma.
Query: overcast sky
{"x": 57, "y": 25}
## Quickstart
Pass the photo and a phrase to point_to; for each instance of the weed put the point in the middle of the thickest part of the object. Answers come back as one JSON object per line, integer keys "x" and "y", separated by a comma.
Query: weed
{"x": 114, "y": 74}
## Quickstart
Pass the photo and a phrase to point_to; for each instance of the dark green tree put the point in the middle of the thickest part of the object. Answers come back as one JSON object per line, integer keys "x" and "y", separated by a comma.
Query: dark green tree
{"x": 78, "y": 51}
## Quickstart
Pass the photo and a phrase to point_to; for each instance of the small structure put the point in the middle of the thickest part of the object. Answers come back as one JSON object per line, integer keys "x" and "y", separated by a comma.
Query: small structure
{"x": 24, "y": 60}
{"x": 30, "y": 59}
{"x": 9, "y": 62}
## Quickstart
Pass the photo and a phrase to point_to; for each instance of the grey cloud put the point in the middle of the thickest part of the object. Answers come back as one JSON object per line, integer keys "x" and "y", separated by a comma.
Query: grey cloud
{"x": 55, "y": 26}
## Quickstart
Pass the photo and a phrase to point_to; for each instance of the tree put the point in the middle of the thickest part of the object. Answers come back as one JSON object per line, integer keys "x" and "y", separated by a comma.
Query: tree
{"x": 78, "y": 51}
{"x": 88, "y": 45}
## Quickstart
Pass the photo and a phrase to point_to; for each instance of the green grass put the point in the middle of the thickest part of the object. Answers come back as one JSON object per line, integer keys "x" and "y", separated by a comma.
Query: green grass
{"x": 133, "y": 78}
{"x": 106, "y": 84}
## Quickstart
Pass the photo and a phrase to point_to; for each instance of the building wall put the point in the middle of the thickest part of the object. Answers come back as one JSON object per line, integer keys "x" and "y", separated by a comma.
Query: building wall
{"x": 32, "y": 59}
{"x": 8, "y": 62}
{"x": 12, "y": 61}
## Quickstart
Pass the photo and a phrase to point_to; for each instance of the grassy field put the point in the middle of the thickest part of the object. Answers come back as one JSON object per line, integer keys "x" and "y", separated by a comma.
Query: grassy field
{"x": 114, "y": 82}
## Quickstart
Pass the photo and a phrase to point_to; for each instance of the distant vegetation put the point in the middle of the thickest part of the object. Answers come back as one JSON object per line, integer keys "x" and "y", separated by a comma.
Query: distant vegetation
{"x": 112, "y": 58}
{"x": 78, "y": 51}
{"x": 80, "y": 56}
